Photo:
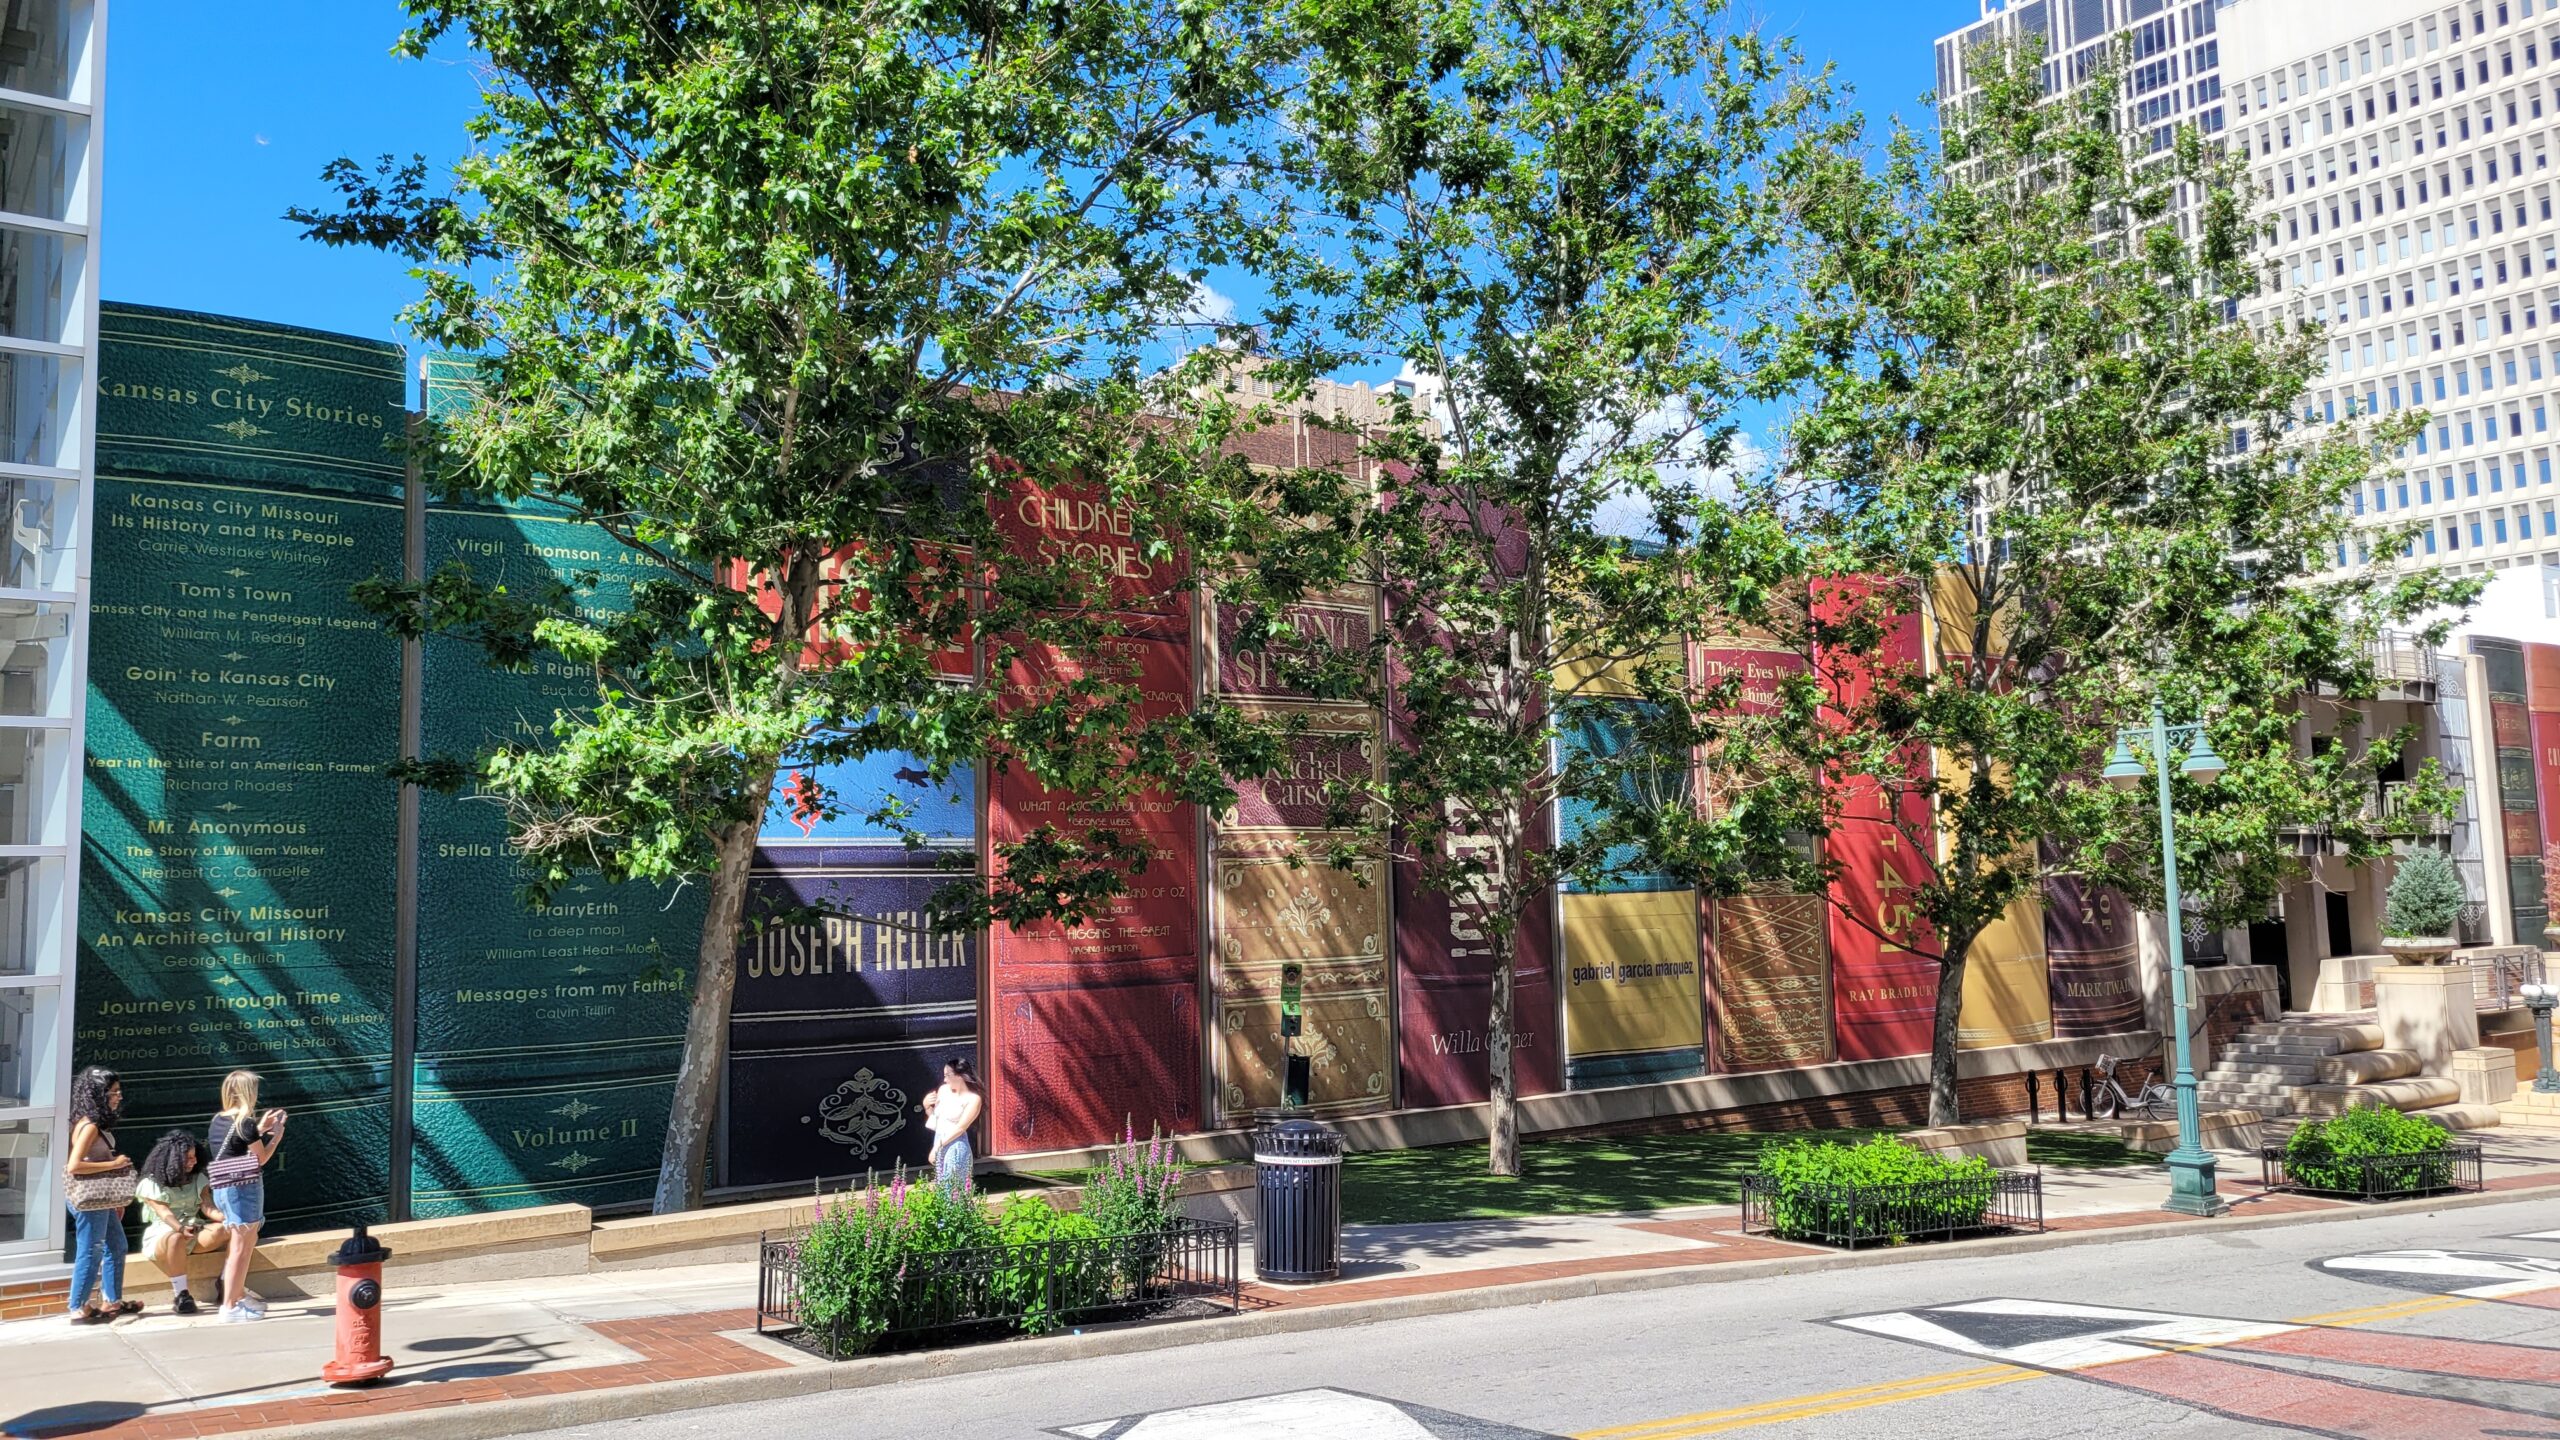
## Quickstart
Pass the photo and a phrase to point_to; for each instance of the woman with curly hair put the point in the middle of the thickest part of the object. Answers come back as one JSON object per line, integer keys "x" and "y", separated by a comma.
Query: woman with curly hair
{"x": 97, "y": 1234}
{"x": 183, "y": 1219}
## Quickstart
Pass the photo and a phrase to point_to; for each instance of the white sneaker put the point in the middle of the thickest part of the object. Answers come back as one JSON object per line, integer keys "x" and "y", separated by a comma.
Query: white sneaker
{"x": 252, "y": 1304}
{"x": 240, "y": 1314}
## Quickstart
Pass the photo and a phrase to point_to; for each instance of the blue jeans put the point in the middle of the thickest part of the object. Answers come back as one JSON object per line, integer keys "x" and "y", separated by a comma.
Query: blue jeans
{"x": 97, "y": 1256}
{"x": 952, "y": 1171}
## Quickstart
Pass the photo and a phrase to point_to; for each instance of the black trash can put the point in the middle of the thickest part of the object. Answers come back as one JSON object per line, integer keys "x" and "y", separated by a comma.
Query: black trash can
{"x": 1297, "y": 1235}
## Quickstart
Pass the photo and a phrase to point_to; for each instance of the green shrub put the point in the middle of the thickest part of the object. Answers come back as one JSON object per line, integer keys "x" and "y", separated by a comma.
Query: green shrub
{"x": 1037, "y": 1278}
{"x": 2425, "y": 898}
{"x": 1814, "y": 1179}
{"x": 868, "y": 1265}
{"x": 859, "y": 1271}
{"x": 2323, "y": 1154}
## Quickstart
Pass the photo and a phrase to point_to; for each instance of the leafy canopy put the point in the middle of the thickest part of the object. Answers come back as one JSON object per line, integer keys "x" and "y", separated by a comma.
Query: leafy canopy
{"x": 2040, "y": 394}
{"x": 793, "y": 300}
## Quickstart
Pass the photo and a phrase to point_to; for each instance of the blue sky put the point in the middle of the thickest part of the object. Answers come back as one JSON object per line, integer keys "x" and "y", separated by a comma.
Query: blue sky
{"x": 218, "y": 122}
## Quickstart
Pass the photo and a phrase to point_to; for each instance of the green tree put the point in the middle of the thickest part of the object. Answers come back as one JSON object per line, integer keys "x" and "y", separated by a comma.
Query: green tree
{"x": 2032, "y": 394}
{"x": 1555, "y": 212}
{"x": 790, "y": 299}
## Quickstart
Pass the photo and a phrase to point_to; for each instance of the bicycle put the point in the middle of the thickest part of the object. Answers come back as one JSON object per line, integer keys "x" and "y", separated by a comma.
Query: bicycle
{"x": 2155, "y": 1100}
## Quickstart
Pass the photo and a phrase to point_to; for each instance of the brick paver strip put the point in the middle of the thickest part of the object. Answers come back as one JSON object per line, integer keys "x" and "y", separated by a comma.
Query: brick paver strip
{"x": 671, "y": 1347}
{"x": 1730, "y": 1246}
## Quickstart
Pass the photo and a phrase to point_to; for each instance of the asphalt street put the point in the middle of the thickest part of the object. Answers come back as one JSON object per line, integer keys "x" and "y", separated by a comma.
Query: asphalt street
{"x": 2401, "y": 1327}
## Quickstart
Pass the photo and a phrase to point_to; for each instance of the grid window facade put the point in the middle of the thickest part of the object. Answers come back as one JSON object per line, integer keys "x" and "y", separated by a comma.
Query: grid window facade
{"x": 2406, "y": 190}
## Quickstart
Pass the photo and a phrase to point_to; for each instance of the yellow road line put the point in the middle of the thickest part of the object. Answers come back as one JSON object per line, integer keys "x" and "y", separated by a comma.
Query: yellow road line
{"x": 1810, "y": 1407}
{"x": 1945, "y": 1382}
{"x": 1884, "y": 1390}
{"x": 2393, "y": 1311}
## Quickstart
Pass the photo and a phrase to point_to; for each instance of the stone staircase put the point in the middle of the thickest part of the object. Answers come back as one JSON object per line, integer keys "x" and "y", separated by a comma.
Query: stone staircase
{"x": 2530, "y": 1112}
{"x": 2303, "y": 1068}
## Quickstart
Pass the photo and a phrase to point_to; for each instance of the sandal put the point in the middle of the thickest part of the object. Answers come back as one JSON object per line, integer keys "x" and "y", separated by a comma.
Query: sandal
{"x": 125, "y": 1307}
{"x": 91, "y": 1315}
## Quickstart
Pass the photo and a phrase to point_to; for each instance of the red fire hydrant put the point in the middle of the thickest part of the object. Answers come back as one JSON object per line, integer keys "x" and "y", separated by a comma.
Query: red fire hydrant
{"x": 359, "y": 1360}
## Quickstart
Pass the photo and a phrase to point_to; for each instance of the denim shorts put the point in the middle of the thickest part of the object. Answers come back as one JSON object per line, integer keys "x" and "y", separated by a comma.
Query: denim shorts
{"x": 242, "y": 1204}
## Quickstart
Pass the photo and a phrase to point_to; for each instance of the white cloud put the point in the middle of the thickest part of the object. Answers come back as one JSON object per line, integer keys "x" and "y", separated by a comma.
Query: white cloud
{"x": 1208, "y": 307}
{"x": 1626, "y": 514}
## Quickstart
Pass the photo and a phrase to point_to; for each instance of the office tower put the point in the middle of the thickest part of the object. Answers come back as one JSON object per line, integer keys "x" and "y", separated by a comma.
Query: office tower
{"x": 2402, "y": 156}
{"x": 2174, "y": 55}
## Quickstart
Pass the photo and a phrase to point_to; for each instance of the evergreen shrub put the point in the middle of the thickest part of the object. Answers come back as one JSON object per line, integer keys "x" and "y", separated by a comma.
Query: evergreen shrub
{"x": 2425, "y": 898}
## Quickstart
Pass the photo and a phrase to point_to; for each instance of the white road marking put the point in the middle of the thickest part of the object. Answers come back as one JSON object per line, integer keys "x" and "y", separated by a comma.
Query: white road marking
{"x": 2137, "y": 1335}
{"x": 1297, "y": 1415}
{"x": 2502, "y": 1274}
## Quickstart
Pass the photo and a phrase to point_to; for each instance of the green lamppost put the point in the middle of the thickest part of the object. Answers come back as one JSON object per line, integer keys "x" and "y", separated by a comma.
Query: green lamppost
{"x": 2191, "y": 1178}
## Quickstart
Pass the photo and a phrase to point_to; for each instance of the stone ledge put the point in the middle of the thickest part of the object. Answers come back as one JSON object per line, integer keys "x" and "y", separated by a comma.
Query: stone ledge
{"x": 502, "y": 1244}
{"x": 730, "y": 1232}
{"x": 2415, "y": 1093}
{"x": 2215, "y": 1129}
{"x": 2365, "y": 1067}
{"x": 2002, "y": 1142}
{"x": 2486, "y": 1076}
{"x": 701, "y": 1237}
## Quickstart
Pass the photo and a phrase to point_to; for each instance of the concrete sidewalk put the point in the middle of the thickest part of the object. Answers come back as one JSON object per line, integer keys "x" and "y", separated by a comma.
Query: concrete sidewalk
{"x": 494, "y": 1358}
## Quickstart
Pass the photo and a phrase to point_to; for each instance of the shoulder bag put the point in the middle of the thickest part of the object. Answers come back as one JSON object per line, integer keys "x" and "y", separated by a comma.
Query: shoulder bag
{"x": 237, "y": 1166}
{"x": 100, "y": 1190}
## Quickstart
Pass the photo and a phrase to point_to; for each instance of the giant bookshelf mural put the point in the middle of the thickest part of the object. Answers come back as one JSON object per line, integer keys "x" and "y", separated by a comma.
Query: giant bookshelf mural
{"x": 547, "y": 1039}
{"x": 1283, "y": 920}
{"x": 238, "y": 837}
{"x": 1094, "y": 1029}
{"x": 244, "y": 902}
{"x": 2521, "y": 811}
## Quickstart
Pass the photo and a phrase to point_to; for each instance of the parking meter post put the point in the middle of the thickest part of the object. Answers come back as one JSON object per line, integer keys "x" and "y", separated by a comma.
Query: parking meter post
{"x": 1295, "y": 1069}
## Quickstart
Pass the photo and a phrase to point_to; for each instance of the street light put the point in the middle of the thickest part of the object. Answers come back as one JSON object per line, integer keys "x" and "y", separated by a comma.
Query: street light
{"x": 2539, "y": 999}
{"x": 2191, "y": 1177}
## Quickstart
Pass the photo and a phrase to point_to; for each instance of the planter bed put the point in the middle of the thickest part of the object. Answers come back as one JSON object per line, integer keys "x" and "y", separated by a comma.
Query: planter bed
{"x": 1184, "y": 1271}
{"x": 2377, "y": 1177}
{"x": 1854, "y": 1216}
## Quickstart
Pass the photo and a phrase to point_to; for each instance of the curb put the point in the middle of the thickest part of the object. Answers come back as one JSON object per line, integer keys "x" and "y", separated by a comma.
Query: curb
{"x": 488, "y": 1419}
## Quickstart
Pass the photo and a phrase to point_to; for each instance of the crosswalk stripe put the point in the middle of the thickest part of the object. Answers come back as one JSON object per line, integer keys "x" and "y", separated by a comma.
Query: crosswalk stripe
{"x": 1948, "y": 1382}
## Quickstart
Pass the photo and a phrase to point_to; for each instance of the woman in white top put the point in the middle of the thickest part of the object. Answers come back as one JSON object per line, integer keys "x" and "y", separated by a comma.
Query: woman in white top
{"x": 949, "y": 1112}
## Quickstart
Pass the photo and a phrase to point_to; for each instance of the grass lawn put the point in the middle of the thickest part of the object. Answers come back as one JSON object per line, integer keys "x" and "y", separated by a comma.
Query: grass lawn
{"x": 1558, "y": 1177}
{"x": 2082, "y": 1150}
{"x": 1620, "y": 1172}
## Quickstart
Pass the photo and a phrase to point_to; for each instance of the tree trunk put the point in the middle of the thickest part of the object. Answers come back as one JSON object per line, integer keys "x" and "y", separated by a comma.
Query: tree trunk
{"x": 706, "y": 1030}
{"x": 715, "y": 966}
{"x": 1502, "y": 1136}
{"x": 1942, "y": 1033}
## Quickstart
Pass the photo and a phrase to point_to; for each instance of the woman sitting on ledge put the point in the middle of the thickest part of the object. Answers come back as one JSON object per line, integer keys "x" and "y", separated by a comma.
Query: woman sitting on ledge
{"x": 184, "y": 1222}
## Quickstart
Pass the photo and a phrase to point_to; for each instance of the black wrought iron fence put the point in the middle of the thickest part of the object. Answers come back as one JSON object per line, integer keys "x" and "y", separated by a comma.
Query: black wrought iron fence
{"x": 1188, "y": 1268}
{"x": 2375, "y": 1177}
{"x": 1855, "y": 1215}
